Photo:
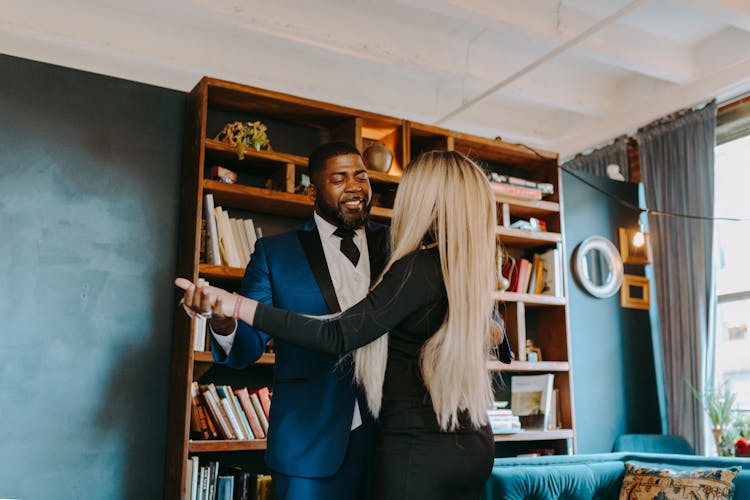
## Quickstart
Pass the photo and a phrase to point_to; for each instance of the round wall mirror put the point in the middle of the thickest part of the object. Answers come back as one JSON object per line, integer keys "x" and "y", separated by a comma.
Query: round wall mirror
{"x": 598, "y": 267}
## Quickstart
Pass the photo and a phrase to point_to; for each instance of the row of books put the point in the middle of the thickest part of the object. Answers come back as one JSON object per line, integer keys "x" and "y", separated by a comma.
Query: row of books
{"x": 520, "y": 188}
{"x": 219, "y": 412}
{"x": 211, "y": 481}
{"x": 540, "y": 275}
{"x": 229, "y": 241}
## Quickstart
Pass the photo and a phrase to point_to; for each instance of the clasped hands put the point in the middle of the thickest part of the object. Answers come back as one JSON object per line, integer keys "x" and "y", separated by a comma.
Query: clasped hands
{"x": 205, "y": 300}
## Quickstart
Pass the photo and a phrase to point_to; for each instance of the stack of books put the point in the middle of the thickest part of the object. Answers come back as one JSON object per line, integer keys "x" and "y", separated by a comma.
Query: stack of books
{"x": 520, "y": 188}
{"x": 541, "y": 273}
{"x": 503, "y": 421}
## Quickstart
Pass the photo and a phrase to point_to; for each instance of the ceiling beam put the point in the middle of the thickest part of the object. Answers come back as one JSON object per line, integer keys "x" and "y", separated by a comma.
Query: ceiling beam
{"x": 617, "y": 45}
{"x": 730, "y": 12}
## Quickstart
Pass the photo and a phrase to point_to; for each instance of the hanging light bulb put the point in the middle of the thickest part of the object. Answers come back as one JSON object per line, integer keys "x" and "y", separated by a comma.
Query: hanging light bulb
{"x": 639, "y": 238}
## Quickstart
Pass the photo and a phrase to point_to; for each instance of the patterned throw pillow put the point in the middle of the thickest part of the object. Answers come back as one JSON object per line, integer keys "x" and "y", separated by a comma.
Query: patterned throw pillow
{"x": 648, "y": 483}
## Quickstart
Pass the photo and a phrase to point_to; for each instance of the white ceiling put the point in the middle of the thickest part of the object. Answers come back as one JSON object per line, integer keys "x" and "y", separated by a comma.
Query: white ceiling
{"x": 563, "y": 75}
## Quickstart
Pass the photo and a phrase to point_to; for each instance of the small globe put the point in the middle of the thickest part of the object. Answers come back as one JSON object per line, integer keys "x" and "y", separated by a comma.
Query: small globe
{"x": 378, "y": 157}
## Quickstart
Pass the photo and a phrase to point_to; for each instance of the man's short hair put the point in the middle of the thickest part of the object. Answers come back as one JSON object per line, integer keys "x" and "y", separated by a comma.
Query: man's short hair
{"x": 320, "y": 155}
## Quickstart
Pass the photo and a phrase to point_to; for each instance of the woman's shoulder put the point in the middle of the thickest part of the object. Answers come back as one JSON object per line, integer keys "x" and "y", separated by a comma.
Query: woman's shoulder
{"x": 426, "y": 258}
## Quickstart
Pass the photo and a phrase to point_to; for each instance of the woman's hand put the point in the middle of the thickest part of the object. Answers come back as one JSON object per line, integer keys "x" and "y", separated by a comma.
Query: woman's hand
{"x": 205, "y": 300}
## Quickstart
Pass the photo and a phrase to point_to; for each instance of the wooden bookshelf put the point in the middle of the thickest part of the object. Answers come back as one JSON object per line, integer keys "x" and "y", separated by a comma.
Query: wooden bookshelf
{"x": 282, "y": 170}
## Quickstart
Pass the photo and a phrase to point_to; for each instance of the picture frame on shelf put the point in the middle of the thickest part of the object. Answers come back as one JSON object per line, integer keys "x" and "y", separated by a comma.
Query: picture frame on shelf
{"x": 533, "y": 353}
{"x": 632, "y": 254}
{"x": 635, "y": 292}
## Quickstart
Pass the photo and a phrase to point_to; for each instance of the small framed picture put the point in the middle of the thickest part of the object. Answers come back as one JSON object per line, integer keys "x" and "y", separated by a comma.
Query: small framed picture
{"x": 632, "y": 254}
{"x": 635, "y": 292}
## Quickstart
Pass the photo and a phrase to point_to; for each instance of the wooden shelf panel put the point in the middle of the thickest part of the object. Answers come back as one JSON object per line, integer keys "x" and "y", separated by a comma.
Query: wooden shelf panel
{"x": 381, "y": 178}
{"x": 535, "y": 435}
{"x": 267, "y": 358}
{"x": 501, "y": 152}
{"x": 529, "y": 208}
{"x": 225, "y": 445}
{"x": 223, "y": 149}
{"x": 531, "y": 300}
{"x": 526, "y": 239}
{"x": 255, "y": 199}
{"x": 220, "y": 273}
{"x": 526, "y": 366}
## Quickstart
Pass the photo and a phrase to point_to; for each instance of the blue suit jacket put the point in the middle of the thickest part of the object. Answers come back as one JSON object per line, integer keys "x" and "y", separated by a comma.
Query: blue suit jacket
{"x": 313, "y": 394}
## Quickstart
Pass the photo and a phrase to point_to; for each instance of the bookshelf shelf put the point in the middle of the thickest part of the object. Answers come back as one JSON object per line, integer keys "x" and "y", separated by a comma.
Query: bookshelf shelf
{"x": 223, "y": 150}
{"x": 221, "y": 273}
{"x": 526, "y": 239}
{"x": 205, "y": 357}
{"x": 268, "y": 201}
{"x": 535, "y": 435}
{"x": 528, "y": 208}
{"x": 532, "y": 367}
{"x": 531, "y": 300}
{"x": 225, "y": 445}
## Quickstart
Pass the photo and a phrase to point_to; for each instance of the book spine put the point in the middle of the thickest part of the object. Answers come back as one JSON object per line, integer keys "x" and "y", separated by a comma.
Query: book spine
{"x": 249, "y": 411}
{"x": 216, "y": 410}
{"x": 259, "y": 411}
{"x": 213, "y": 236}
{"x": 517, "y": 191}
{"x": 265, "y": 400}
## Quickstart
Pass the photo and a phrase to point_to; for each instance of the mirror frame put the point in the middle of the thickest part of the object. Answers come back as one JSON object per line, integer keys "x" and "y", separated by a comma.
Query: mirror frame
{"x": 613, "y": 258}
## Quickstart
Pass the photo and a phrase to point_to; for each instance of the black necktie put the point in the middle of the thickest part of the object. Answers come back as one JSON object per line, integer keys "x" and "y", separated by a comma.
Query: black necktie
{"x": 348, "y": 248}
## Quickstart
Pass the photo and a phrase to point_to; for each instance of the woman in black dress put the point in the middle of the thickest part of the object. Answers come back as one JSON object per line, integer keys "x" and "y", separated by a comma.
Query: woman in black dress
{"x": 421, "y": 336}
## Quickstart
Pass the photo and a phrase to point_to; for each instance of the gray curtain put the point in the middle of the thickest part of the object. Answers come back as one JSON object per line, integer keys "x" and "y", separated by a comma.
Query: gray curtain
{"x": 677, "y": 168}
{"x": 597, "y": 161}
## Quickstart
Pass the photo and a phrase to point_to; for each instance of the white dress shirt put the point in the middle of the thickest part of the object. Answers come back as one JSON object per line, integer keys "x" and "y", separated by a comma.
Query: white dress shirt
{"x": 350, "y": 283}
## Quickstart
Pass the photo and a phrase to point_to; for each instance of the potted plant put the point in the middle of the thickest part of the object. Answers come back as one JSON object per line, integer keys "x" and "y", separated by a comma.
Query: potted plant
{"x": 718, "y": 403}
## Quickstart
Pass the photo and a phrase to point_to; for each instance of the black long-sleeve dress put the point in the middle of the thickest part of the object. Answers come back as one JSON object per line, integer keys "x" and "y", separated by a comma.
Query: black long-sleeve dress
{"x": 414, "y": 458}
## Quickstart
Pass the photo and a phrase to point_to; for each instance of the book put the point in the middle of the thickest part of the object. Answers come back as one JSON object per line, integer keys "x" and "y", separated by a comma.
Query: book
{"x": 205, "y": 425}
{"x": 211, "y": 397}
{"x": 244, "y": 482}
{"x": 187, "y": 481}
{"x": 264, "y": 394}
{"x": 245, "y": 423}
{"x": 510, "y": 271}
{"x": 199, "y": 332}
{"x": 225, "y": 488}
{"x": 552, "y": 281}
{"x": 252, "y": 417}
{"x": 531, "y": 398}
{"x": 212, "y": 245}
{"x": 213, "y": 474}
{"x": 524, "y": 276}
{"x": 234, "y": 418}
{"x": 251, "y": 236}
{"x": 195, "y": 471}
{"x": 259, "y": 411}
{"x": 240, "y": 240}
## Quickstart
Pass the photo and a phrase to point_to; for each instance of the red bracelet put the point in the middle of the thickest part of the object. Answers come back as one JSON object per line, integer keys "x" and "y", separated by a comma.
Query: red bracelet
{"x": 237, "y": 303}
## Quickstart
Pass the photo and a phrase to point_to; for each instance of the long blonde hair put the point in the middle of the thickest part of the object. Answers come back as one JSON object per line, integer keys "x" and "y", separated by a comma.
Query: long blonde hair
{"x": 446, "y": 194}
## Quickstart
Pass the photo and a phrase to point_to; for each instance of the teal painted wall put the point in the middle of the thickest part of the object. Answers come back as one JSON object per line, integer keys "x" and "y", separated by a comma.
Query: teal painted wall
{"x": 89, "y": 179}
{"x": 613, "y": 366}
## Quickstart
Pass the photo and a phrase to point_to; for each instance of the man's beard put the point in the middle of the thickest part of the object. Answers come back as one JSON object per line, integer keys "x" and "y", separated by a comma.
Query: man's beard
{"x": 337, "y": 215}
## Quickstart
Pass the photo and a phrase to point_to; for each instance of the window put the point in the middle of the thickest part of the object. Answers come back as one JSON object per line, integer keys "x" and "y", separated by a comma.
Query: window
{"x": 732, "y": 192}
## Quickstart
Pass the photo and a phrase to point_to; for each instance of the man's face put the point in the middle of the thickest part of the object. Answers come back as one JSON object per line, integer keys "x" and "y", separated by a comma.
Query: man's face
{"x": 341, "y": 191}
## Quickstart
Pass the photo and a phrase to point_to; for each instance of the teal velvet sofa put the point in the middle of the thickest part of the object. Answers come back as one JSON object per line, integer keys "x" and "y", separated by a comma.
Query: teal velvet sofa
{"x": 591, "y": 477}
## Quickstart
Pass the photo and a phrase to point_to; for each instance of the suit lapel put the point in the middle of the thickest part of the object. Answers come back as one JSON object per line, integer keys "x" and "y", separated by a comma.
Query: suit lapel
{"x": 310, "y": 240}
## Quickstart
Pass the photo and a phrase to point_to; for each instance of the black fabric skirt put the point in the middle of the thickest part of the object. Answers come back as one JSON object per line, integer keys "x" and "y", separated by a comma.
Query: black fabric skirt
{"x": 433, "y": 465}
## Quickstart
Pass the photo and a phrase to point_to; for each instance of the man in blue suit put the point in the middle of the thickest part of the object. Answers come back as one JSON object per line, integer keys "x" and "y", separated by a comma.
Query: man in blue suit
{"x": 321, "y": 434}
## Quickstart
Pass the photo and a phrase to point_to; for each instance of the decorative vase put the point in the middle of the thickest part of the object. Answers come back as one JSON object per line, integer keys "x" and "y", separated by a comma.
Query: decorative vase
{"x": 378, "y": 157}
